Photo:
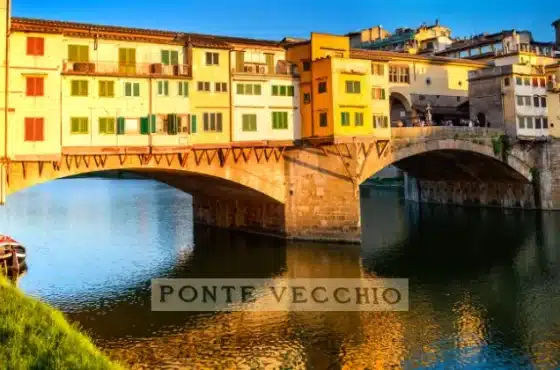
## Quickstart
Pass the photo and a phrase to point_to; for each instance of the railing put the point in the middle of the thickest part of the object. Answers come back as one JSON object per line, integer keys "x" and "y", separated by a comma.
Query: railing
{"x": 120, "y": 69}
{"x": 264, "y": 70}
{"x": 444, "y": 132}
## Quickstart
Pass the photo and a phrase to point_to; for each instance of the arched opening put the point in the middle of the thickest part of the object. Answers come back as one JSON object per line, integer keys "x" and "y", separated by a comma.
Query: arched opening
{"x": 481, "y": 119}
{"x": 401, "y": 113}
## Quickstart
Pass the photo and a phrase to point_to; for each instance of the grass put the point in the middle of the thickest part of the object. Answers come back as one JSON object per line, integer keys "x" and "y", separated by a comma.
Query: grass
{"x": 35, "y": 336}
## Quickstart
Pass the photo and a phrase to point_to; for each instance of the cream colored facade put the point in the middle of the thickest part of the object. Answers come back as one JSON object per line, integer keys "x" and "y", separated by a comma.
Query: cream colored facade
{"x": 553, "y": 99}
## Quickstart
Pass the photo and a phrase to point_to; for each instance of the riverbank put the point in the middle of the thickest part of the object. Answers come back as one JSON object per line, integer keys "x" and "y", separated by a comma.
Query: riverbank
{"x": 36, "y": 336}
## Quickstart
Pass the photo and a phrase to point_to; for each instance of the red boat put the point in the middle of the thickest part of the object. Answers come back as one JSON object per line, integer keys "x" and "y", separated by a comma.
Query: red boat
{"x": 8, "y": 247}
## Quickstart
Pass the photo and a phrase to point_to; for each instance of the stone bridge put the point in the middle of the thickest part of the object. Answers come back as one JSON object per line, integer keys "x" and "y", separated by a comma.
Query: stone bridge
{"x": 311, "y": 191}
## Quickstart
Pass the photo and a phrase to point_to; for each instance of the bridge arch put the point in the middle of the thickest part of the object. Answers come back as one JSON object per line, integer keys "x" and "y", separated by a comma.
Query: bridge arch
{"x": 463, "y": 159}
{"x": 400, "y": 108}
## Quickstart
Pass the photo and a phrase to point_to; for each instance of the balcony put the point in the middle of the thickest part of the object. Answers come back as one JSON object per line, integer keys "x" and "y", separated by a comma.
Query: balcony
{"x": 127, "y": 70}
{"x": 282, "y": 68}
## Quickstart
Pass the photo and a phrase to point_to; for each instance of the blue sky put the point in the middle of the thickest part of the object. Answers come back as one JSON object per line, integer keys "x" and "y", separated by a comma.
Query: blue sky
{"x": 272, "y": 19}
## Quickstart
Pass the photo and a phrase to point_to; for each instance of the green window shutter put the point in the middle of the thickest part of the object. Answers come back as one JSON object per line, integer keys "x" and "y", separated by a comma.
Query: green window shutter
{"x": 257, "y": 89}
{"x": 102, "y": 90}
{"x": 144, "y": 125}
{"x": 282, "y": 90}
{"x": 110, "y": 125}
{"x": 248, "y": 89}
{"x": 174, "y": 58}
{"x": 120, "y": 125}
{"x": 166, "y": 88}
{"x": 128, "y": 89}
{"x": 102, "y": 125}
{"x": 172, "y": 124}
{"x": 180, "y": 88}
{"x": 74, "y": 125}
{"x": 193, "y": 124}
{"x": 240, "y": 89}
{"x": 385, "y": 122}
{"x": 152, "y": 123}
{"x": 285, "y": 120}
{"x": 84, "y": 129}
{"x": 75, "y": 88}
{"x": 244, "y": 120}
{"x": 274, "y": 90}
{"x": 357, "y": 87}
{"x": 290, "y": 91}
{"x": 136, "y": 87}
{"x": 383, "y": 94}
{"x": 186, "y": 88}
{"x": 160, "y": 87}
{"x": 165, "y": 57}
{"x": 72, "y": 53}
{"x": 274, "y": 120}
{"x": 83, "y": 53}
{"x": 110, "y": 89}
{"x": 82, "y": 88}
{"x": 218, "y": 122}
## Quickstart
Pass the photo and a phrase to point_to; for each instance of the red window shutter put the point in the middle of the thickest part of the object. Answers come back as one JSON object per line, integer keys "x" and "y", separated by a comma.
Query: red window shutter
{"x": 39, "y": 86}
{"x": 39, "y": 129}
{"x": 30, "y": 46}
{"x": 40, "y": 47}
{"x": 29, "y": 129}
{"x": 30, "y": 88}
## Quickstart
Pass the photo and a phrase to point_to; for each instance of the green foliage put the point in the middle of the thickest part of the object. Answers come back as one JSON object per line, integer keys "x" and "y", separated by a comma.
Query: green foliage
{"x": 501, "y": 146}
{"x": 35, "y": 336}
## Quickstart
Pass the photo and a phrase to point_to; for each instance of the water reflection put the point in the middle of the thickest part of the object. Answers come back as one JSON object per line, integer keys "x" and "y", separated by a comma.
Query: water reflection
{"x": 484, "y": 286}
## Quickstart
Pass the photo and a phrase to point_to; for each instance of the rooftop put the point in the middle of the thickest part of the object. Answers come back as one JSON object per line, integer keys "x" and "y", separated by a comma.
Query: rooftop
{"x": 391, "y": 55}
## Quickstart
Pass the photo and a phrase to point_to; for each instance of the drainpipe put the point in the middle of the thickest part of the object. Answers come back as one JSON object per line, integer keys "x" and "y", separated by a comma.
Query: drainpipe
{"x": 6, "y": 78}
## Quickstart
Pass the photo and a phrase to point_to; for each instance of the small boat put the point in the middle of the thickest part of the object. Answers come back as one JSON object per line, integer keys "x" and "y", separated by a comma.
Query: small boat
{"x": 8, "y": 247}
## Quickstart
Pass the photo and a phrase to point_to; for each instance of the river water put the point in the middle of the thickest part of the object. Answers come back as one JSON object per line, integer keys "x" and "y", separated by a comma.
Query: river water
{"x": 484, "y": 283}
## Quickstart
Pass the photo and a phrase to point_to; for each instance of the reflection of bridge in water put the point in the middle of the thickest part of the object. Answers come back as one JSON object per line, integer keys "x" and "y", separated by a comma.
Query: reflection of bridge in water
{"x": 468, "y": 288}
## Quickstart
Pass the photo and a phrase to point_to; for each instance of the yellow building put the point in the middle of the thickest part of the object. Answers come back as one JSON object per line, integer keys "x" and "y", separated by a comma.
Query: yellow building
{"x": 553, "y": 99}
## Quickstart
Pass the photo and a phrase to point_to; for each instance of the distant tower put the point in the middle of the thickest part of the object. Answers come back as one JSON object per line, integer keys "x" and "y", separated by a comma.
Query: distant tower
{"x": 556, "y": 25}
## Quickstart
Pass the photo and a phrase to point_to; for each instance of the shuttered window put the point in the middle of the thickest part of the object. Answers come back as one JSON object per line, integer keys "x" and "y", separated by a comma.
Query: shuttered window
{"x": 34, "y": 129}
{"x": 169, "y": 57}
{"x": 106, "y": 89}
{"x": 34, "y": 86}
{"x": 249, "y": 122}
{"x": 79, "y": 88}
{"x": 106, "y": 125}
{"x": 127, "y": 60}
{"x": 163, "y": 88}
{"x": 35, "y": 46}
{"x": 212, "y": 122}
{"x": 345, "y": 118}
{"x": 132, "y": 89}
{"x": 358, "y": 119}
{"x": 279, "y": 120}
{"x": 78, "y": 53}
{"x": 183, "y": 88}
{"x": 79, "y": 125}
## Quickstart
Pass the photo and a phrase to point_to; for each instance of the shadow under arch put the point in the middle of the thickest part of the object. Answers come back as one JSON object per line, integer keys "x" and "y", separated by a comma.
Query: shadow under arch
{"x": 400, "y": 108}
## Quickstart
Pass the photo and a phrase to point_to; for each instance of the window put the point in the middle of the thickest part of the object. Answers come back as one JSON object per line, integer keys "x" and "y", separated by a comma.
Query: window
{"x": 212, "y": 122}
{"x": 127, "y": 60}
{"x": 521, "y": 122}
{"x": 520, "y": 100}
{"x": 542, "y": 82}
{"x": 34, "y": 86}
{"x": 377, "y": 69}
{"x": 79, "y": 125}
{"x": 344, "y": 119}
{"x": 545, "y": 122}
{"x": 132, "y": 89}
{"x": 34, "y": 129}
{"x": 506, "y": 81}
{"x": 399, "y": 74}
{"x": 358, "y": 119}
{"x": 163, "y": 88}
{"x": 279, "y": 120}
{"x": 79, "y": 88}
{"x": 106, "y": 89}
{"x": 306, "y": 66}
{"x": 535, "y": 82}
{"x": 169, "y": 57}
{"x": 527, "y": 100}
{"x": 527, "y": 81}
{"x": 378, "y": 93}
{"x": 536, "y": 101}
{"x": 162, "y": 124}
{"x": 221, "y": 87}
{"x": 249, "y": 122}
{"x": 518, "y": 81}
{"x": 282, "y": 90}
{"x": 353, "y": 87}
{"x": 306, "y": 98}
{"x": 380, "y": 121}
{"x": 249, "y": 89}
{"x": 529, "y": 122}
{"x": 322, "y": 87}
{"x": 183, "y": 88}
{"x": 183, "y": 124}
{"x": 212, "y": 59}
{"x": 35, "y": 46}
{"x": 538, "y": 122}
{"x": 323, "y": 119}
{"x": 106, "y": 125}
{"x": 543, "y": 101}
{"x": 78, "y": 53}
{"x": 203, "y": 86}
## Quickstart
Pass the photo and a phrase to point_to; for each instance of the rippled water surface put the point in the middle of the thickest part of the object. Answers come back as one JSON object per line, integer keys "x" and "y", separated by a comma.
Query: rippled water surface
{"x": 484, "y": 283}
